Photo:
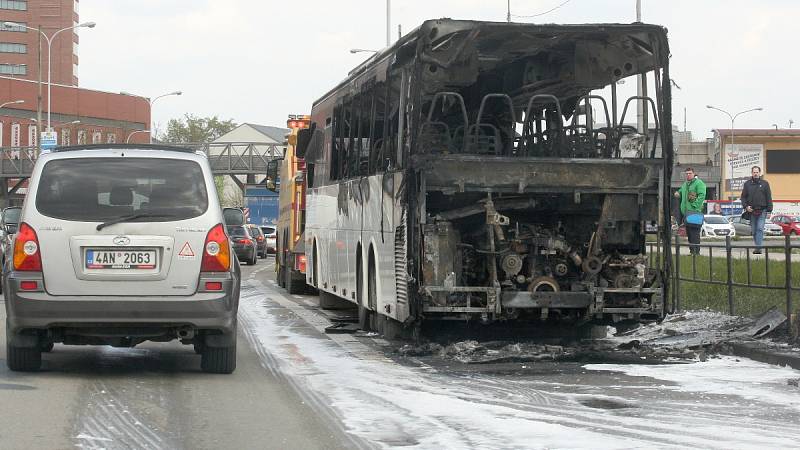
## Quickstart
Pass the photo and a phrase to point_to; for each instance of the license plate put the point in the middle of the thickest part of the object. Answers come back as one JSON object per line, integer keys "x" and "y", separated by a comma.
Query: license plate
{"x": 121, "y": 259}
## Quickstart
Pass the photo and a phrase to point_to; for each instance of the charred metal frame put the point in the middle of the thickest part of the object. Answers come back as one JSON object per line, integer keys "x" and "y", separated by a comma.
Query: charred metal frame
{"x": 499, "y": 172}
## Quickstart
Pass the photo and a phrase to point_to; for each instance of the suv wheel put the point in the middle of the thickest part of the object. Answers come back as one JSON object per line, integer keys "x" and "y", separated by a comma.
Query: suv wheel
{"x": 218, "y": 359}
{"x": 22, "y": 359}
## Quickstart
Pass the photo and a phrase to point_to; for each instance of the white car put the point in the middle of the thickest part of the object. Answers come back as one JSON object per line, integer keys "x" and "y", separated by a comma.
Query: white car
{"x": 717, "y": 226}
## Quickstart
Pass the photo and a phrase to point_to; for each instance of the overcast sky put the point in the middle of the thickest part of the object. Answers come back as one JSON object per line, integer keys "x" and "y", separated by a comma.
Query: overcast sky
{"x": 259, "y": 60}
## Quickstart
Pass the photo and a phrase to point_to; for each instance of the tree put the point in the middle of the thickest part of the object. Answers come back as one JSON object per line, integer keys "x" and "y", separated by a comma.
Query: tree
{"x": 194, "y": 129}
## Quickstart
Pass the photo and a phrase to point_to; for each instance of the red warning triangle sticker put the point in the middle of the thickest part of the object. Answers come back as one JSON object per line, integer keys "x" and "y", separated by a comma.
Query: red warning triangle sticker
{"x": 186, "y": 250}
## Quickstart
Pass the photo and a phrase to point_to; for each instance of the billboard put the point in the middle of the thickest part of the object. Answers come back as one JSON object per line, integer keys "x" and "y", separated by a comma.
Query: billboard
{"x": 739, "y": 159}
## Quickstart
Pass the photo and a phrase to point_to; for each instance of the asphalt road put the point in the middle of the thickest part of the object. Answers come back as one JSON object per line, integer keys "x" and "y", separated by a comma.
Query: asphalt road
{"x": 155, "y": 396}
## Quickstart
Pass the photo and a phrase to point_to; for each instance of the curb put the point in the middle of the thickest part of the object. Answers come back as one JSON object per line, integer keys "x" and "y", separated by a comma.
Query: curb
{"x": 763, "y": 353}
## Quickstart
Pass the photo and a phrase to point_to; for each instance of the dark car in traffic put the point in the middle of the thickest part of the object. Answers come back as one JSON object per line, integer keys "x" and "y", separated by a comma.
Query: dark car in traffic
{"x": 244, "y": 245}
{"x": 261, "y": 240}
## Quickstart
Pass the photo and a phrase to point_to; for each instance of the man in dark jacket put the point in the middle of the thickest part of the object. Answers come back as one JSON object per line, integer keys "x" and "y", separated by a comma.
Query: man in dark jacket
{"x": 757, "y": 200}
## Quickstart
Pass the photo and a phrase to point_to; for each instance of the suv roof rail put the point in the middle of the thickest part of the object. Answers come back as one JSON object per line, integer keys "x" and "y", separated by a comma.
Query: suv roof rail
{"x": 173, "y": 148}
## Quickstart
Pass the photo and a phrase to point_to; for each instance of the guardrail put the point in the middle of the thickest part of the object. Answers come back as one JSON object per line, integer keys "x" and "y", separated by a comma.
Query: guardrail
{"x": 228, "y": 158}
{"x": 735, "y": 270}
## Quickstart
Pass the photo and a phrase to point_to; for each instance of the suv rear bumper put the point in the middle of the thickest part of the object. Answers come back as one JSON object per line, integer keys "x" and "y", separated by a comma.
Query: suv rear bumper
{"x": 201, "y": 311}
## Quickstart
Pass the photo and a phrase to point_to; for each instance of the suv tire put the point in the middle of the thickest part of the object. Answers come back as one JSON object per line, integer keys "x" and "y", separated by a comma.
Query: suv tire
{"x": 23, "y": 359}
{"x": 218, "y": 359}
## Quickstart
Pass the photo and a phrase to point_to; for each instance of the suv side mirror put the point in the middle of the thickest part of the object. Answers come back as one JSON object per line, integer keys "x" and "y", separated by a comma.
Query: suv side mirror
{"x": 272, "y": 174}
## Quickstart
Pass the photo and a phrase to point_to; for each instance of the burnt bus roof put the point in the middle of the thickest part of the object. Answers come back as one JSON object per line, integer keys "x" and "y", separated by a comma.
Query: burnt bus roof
{"x": 532, "y": 39}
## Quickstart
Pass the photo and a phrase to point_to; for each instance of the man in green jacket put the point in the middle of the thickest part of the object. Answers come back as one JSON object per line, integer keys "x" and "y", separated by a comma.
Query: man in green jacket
{"x": 692, "y": 195}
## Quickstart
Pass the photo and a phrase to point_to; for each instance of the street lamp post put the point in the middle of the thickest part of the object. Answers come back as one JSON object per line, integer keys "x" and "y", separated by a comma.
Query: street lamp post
{"x": 128, "y": 139}
{"x": 362, "y": 50}
{"x": 49, "y": 53}
{"x": 733, "y": 118}
{"x": 15, "y": 102}
{"x": 733, "y": 121}
{"x": 150, "y": 102}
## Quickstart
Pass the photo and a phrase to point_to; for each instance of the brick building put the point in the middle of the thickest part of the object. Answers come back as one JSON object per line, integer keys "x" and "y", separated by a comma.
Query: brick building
{"x": 104, "y": 116}
{"x": 19, "y": 46}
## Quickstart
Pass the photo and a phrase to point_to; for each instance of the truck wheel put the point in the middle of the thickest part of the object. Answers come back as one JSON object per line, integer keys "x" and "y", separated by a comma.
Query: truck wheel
{"x": 292, "y": 286}
{"x": 218, "y": 359}
{"x": 280, "y": 277}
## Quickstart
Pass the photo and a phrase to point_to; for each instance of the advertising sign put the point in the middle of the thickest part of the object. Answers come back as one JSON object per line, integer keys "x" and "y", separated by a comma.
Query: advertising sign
{"x": 49, "y": 140}
{"x": 740, "y": 158}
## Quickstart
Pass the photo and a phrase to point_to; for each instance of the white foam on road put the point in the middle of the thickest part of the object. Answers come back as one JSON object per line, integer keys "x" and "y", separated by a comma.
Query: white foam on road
{"x": 726, "y": 375}
{"x": 392, "y": 405}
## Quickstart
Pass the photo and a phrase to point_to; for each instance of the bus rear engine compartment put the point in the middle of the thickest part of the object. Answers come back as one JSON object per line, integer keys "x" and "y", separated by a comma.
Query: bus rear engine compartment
{"x": 536, "y": 257}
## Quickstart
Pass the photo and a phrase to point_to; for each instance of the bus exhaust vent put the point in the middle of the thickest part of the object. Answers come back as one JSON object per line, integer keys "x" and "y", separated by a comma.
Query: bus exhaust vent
{"x": 400, "y": 261}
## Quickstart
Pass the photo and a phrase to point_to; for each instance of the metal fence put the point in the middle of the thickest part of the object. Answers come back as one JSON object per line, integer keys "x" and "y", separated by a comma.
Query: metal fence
{"x": 736, "y": 274}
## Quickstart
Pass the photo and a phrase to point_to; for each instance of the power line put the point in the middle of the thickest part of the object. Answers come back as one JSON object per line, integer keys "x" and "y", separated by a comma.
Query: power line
{"x": 542, "y": 13}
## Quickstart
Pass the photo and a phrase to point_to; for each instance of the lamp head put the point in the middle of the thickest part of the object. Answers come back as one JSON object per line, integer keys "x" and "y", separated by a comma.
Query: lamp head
{"x": 88, "y": 25}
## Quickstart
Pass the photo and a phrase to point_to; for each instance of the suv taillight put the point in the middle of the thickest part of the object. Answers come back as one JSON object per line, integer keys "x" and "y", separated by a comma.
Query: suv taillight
{"x": 216, "y": 251}
{"x": 27, "y": 257}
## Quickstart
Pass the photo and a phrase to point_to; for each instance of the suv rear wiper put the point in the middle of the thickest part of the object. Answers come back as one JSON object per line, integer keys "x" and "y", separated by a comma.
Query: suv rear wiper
{"x": 129, "y": 218}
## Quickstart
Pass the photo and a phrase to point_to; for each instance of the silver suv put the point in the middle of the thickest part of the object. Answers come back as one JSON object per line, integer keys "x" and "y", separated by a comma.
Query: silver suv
{"x": 117, "y": 245}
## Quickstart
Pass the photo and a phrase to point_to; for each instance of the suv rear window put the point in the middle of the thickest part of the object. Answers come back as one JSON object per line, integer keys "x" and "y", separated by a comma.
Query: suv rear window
{"x": 101, "y": 189}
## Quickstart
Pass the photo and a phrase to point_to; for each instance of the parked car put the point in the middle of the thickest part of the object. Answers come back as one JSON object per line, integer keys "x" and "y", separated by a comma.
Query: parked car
{"x": 742, "y": 227}
{"x": 716, "y": 226}
{"x": 271, "y": 236}
{"x": 790, "y": 225}
{"x": 243, "y": 244}
{"x": 120, "y": 244}
{"x": 261, "y": 240}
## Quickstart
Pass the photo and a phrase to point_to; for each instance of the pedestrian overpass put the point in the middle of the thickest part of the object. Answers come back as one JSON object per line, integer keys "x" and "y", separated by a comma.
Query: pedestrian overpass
{"x": 231, "y": 158}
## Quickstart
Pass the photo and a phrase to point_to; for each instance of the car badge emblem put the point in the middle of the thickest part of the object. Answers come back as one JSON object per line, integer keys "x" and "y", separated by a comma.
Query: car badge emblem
{"x": 122, "y": 240}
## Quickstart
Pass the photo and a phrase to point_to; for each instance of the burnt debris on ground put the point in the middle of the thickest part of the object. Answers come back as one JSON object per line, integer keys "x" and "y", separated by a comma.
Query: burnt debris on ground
{"x": 683, "y": 337}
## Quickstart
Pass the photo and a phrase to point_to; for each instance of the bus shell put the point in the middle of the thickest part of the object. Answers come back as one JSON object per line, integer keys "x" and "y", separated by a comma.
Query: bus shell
{"x": 471, "y": 171}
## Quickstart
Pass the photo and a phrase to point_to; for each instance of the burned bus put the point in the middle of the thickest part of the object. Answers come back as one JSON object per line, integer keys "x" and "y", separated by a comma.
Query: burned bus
{"x": 490, "y": 171}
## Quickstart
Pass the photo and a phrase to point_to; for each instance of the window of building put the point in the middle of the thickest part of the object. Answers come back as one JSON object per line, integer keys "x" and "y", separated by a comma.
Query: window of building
{"x": 32, "y": 136}
{"x": 111, "y": 138}
{"x": 81, "y": 137}
{"x": 18, "y": 28}
{"x": 12, "y": 47}
{"x": 19, "y": 5}
{"x": 16, "y": 130}
{"x": 97, "y": 137}
{"x": 13, "y": 69}
{"x": 65, "y": 137}
{"x": 783, "y": 161}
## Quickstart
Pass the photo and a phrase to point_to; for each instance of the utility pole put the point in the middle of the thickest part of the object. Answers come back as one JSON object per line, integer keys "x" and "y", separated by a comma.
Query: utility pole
{"x": 388, "y": 22}
{"x": 39, "y": 96}
{"x": 399, "y": 31}
{"x": 508, "y": 17}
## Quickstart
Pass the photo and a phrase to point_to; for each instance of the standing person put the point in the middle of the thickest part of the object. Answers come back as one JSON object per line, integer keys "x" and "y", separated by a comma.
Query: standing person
{"x": 757, "y": 201}
{"x": 692, "y": 195}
